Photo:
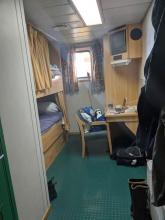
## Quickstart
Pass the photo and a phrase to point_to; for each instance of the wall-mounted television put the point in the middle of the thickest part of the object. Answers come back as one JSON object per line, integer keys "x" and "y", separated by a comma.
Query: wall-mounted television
{"x": 118, "y": 42}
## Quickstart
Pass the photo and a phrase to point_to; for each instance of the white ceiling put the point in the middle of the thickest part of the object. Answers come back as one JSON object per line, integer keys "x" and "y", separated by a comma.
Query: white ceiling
{"x": 45, "y": 14}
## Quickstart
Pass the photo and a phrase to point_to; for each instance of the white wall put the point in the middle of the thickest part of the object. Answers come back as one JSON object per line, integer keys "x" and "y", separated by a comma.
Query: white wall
{"x": 148, "y": 41}
{"x": 19, "y": 115}
{"x": 81, "y": 99}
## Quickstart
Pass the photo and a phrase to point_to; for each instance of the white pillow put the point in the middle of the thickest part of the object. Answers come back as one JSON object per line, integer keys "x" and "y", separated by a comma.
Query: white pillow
{"x": 47, "y": 107}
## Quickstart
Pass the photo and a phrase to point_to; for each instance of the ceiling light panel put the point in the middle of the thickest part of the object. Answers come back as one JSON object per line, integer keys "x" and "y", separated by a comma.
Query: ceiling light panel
{"x": 89, "y": 11}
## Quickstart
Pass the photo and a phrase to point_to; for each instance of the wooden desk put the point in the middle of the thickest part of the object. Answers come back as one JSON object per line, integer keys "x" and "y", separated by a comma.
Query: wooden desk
{"x": 127, "y": 117}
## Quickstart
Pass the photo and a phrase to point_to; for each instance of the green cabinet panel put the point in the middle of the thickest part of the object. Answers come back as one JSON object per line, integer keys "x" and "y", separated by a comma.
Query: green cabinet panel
{"x": 7, "y": 203}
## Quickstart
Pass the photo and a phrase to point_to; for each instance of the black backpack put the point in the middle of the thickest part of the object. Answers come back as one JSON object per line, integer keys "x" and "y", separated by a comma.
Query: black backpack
{"x": 131, "y": 156}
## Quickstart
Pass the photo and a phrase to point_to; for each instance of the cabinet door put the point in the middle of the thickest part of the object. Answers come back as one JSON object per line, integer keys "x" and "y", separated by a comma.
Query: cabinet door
{"x": 7, "y": 205}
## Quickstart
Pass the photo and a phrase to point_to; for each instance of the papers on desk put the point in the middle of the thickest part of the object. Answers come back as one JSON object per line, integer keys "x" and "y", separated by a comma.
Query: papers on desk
{"x": 128, "y": 109}
{"x": 113, "y": 111}
{"x": 131, "y": 109}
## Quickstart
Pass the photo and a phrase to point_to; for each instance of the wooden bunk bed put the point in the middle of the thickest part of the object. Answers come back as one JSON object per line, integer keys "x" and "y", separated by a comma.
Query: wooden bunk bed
{"x": 54, "y": 138}
{"x": 43, "y": 54}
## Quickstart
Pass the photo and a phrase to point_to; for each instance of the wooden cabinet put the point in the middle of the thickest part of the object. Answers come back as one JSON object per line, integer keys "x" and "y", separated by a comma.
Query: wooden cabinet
{"x": 131, "y": 42}
{"x": 134, "y": 42}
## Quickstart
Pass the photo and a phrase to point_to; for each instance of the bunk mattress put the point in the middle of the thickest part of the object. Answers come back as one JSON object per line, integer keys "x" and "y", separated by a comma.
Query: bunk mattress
{"x": 47, "y": 121}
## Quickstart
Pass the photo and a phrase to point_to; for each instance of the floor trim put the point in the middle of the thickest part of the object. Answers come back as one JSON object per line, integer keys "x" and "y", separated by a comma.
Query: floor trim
{"x": 46, "y": 214}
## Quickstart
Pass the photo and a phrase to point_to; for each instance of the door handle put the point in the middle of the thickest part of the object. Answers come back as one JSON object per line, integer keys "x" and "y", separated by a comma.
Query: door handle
{"x": 2, "y": 156}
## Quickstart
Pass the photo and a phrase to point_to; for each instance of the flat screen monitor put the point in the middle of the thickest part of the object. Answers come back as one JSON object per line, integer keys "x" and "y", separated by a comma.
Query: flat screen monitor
{"x": 118, "y": 42}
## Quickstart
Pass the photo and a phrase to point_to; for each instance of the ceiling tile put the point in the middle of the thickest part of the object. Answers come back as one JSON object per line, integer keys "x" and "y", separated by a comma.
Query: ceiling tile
{"x": 80, "y": 30}
{"x": 82, "y": 34}
{"x": 80, "y": 40}
{"x": 60, "y": 10}
{"x": 125, "y": 15}
{"x": 50, "y": 3}
{"x": 65, "y": 19}
{"x": 77, "y": 24}
{"x": 121, "y": 3}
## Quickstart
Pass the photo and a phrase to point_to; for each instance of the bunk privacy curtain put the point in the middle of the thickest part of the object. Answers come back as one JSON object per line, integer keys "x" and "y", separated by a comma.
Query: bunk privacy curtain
{"x": 61, "y": 102}
{"x": 39, "y": 51}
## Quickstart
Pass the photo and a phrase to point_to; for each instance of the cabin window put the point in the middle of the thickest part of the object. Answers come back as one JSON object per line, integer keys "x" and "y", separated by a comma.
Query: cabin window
{"x": 83, "y": 65}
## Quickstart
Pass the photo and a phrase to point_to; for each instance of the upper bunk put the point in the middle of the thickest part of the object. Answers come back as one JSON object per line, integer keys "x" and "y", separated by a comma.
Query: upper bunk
{"x": 57, "y": 86}
{"x": 46, "y": 63}
{"x": 57, "y": 80}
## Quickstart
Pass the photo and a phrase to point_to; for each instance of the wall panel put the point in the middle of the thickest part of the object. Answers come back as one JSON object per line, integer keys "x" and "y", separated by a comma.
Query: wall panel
{"x": 120, "y": 81}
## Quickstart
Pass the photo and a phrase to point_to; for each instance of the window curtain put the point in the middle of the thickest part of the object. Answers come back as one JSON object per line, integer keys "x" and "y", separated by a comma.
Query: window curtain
{"x": 40, "y": 59}
{"x": 69, "y": 73}
{"x": 97, "y": 75}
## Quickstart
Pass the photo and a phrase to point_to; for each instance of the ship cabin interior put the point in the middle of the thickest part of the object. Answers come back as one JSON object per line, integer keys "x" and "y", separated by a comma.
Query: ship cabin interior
{"x": 82, "y": 110}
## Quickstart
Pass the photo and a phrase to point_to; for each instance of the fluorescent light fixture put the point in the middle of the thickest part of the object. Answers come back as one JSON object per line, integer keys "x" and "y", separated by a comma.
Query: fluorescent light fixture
{"x": 89, "y": 11}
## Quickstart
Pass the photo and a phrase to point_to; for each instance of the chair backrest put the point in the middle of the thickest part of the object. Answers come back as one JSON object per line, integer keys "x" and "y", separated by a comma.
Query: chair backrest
{"x": 81, "y": 124}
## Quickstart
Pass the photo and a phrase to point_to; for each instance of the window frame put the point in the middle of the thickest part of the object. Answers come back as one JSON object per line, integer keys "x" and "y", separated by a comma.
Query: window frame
{"x": 81, "y": 50}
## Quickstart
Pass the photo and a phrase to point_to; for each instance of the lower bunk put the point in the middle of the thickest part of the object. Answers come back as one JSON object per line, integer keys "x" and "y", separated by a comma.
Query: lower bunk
{"x": 53, "y": 125}
{"x": 53, "y": 140}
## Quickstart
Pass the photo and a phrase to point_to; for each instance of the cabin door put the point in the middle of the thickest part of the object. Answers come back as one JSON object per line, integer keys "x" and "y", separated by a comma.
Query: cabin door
{"x": 7, "y": 202}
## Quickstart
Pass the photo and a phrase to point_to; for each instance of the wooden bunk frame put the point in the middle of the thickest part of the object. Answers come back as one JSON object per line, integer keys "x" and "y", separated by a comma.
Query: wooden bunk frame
{"x": 57, "y": 86}
{"x": 53, "y": 139}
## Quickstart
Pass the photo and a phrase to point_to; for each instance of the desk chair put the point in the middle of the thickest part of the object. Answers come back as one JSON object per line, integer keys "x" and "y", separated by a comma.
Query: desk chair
{"x": 84, "y": 136}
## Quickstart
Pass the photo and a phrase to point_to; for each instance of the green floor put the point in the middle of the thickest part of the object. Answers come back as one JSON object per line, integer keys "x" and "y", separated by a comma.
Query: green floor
{"x": 91, "y": 189}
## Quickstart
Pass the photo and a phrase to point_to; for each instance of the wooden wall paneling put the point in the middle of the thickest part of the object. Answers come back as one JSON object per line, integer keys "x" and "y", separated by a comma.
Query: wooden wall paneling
{"x": 107, "y": 67}
{"x": 119, "y": 84}
{"x": 133, "y": 88}
{"x": 133, "y": 74}
{"x": 134, "y": 46}
{"x": 114, "y": 82}
{"x": 120, "y": 81}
